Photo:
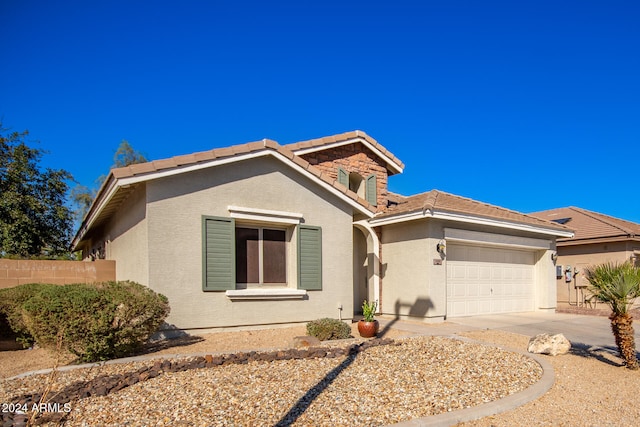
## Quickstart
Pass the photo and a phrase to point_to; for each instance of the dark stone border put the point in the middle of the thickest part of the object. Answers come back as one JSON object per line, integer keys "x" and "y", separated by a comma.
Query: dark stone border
{"x": 104, "y": 385}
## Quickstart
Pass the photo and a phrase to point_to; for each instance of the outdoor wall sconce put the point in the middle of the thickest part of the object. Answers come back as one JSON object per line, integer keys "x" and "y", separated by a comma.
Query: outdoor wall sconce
{"x": 440, "y": 247}
{"x": 554, "y": 256}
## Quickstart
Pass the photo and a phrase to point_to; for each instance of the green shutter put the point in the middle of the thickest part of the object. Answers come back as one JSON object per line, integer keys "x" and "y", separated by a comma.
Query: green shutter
{"x": 372, "y": 190}
{"x": 219, "y": 254}
{"x": 309, "y": 258}
{"x": 343, "y": 177}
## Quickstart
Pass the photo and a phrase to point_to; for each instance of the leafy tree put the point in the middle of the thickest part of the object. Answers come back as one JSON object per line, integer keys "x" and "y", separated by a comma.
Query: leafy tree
{"x": 83, "y": 196}
{"x": 618, "y": 285}
{"x": 126, "y": 156}
{"x": 34, "y": 220}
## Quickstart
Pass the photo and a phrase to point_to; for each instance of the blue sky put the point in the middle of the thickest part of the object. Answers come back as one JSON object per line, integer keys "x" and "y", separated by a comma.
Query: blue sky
{"x": 529, "y": 105}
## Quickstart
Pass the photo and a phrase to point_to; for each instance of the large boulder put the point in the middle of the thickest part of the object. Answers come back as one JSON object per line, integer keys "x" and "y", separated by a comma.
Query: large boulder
{"x": 549, "y": 344}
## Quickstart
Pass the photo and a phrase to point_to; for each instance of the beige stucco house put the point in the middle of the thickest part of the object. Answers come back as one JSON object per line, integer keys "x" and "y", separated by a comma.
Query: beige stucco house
{"x": 598, "y": 239}
{"x": 264, "y": 234}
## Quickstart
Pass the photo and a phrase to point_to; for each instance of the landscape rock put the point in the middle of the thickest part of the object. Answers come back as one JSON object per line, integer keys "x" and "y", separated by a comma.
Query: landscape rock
{"x": 305, "y": 341}
{"x": 105, "y": 385}
{"x": 549, "y": 344}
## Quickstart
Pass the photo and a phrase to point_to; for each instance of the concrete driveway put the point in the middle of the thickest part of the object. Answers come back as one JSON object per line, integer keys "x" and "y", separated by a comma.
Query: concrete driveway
{"x": 583, "y": 331}
{"x": 587, "y": 331}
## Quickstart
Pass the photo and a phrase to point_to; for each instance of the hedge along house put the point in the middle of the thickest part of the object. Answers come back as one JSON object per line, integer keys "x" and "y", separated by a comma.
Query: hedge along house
{"x": 264, "y": 234}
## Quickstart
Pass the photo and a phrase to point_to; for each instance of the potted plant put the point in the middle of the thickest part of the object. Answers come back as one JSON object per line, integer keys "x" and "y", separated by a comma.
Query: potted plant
{"x": 368, "y": 326}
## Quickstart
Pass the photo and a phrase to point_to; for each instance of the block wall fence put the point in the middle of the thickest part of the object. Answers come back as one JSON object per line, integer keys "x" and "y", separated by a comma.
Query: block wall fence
{"x": 19, "y": 272}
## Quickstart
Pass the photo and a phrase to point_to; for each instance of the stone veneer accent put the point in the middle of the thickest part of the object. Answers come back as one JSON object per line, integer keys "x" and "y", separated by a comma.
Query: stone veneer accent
{"x": 353, "y": 158}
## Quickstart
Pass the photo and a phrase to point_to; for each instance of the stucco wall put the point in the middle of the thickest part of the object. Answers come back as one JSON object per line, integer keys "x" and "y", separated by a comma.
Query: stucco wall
{"x": 582, "y": 256}
{"x": 126, "y": 239}
{"x": 406, "y": 278}
{"x": 414, "y": 282}
{"x": 174, "y": 217}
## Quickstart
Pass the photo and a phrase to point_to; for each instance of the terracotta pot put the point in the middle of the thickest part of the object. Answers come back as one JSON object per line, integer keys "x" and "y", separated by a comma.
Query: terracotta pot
{"x": 368, "y": 329}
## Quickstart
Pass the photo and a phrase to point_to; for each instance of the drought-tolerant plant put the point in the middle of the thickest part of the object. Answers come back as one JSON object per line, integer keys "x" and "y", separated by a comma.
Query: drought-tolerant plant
{"x": 369, "y": 310}
{"x": 11, "y": 301}
{"x": 96, "y": 322}
{"x": 618, "y": 285}
{"x": 328, "y": 329}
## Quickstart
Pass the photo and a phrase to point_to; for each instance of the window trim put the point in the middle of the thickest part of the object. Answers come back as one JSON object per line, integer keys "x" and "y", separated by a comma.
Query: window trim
{"x": 265, "y": 215}
{"x": 265, "y": 294}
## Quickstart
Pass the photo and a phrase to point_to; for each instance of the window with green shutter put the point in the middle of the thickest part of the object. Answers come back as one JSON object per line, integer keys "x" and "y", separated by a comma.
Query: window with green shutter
{"x": 343, "y": 177}
{"x": 219, "y": 255}
{"x": 237, "y": 256}
{"x": 372, "y": 190}
{"x": 309, "y": 258}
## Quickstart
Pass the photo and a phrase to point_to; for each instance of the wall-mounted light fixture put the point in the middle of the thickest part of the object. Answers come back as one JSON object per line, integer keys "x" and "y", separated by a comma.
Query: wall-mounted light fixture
{"x": 441, "y": 246}
{"x": 554, "y": 256}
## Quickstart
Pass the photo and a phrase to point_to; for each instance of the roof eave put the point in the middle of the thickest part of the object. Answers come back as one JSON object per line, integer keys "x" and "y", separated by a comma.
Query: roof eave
{"x": 461, "y": 217}
{"x": 105, "y": 194}
{"x": 594, "y": 240}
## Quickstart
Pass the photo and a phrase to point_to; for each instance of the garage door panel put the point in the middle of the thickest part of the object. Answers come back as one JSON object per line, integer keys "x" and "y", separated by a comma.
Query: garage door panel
{"x": 488, "y": 280}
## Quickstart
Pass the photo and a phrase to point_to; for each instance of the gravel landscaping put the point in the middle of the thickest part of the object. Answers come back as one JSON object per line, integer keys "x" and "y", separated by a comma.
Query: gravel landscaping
{"x": 381, "y": 385}
{"x": 377, "y": 385}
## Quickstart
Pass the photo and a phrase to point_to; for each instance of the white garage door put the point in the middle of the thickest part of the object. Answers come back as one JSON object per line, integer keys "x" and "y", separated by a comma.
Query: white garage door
{"x": 485, "y": 280}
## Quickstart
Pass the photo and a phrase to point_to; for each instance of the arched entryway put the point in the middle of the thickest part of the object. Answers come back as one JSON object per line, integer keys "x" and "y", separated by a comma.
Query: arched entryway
{"x": 366, "y": 266}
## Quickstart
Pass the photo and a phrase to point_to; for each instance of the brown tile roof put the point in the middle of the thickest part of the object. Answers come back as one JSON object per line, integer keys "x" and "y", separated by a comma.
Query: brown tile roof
{"x": 440, "y": 201}
{"x": 320, "y": 142}
{"x": 232, "y": 151}
{"x": 178, "y": 162}
{"x": 194, "y": 158}
{"x": 591, "y": 225}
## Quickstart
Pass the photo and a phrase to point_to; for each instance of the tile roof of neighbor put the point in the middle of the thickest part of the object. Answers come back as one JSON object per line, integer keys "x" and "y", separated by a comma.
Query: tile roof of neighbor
{"x": 436, "y": 200}
{"x": 591, "y": 225}
{"x": 327, "y": 140}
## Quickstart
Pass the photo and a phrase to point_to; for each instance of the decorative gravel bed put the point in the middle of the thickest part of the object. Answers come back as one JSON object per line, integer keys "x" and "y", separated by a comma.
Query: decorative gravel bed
{"x": 371, "y": 385}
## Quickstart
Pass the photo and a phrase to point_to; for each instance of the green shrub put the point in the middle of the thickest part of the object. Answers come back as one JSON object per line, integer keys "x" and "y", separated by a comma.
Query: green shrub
{"x": 95, "y": 322}
{"x": 328, "y": 329}
{"x": 11, "y": 302}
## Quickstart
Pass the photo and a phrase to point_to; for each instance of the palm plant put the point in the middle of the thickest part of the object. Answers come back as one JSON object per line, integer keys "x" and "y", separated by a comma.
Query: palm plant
{"x": 618, "y": 285}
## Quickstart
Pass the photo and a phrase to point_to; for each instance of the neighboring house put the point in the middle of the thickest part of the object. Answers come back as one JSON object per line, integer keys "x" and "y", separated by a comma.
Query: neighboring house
{"x": 598, "y": 239}
{"x": 264, "y": 234}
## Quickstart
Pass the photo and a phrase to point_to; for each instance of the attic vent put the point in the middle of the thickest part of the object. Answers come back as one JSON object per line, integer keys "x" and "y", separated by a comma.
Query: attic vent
{"x": 561, "y": 220}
